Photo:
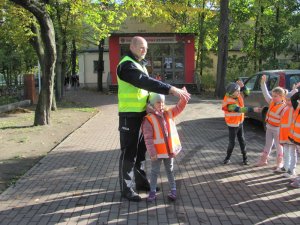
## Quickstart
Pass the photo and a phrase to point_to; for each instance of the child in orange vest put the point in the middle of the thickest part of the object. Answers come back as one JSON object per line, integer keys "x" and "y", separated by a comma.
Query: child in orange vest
{"x": 161, "y": 139}
{"x": 289, "y": 149}
{"x": 293, "y": 136}
{"x": 234, "y": 109}
{"x": 276, "y": 105}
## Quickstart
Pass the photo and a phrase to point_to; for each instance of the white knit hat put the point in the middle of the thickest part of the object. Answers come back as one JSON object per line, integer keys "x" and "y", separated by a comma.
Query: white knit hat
{"x": 154, "y": 97}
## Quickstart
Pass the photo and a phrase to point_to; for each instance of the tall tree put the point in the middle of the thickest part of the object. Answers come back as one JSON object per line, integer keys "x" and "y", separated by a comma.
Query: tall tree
{"x": 222, "y": 48}
{"x": 38, "y": 9}
{"x": 16, "y": 55}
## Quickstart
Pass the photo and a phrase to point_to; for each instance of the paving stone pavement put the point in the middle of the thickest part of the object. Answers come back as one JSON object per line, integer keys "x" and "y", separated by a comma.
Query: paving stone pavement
{"x": 77, "y": 182}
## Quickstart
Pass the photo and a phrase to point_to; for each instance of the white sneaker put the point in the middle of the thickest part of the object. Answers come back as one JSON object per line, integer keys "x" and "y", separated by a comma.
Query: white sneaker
{"x": 289, "y": 174}
{"x": 279, "y": 170}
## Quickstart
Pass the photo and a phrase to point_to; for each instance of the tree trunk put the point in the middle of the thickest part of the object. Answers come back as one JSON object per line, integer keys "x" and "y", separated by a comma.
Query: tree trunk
{"x": 43, "y": 109}
{"x": 100, "y": 68}
{"x": 37, "y": 44}
{"x": 255, "y": 45}
{"x": 73, "y": 55}
{"x": 64, "y": 64}
{"x": 53, "y": 105}
{"x": 260, "y": 40}
{"x": 61, "y": 43}
{"x": 200, "y": 52}
{"x": 222, "y": 49}
{"x": 58, "y": 67}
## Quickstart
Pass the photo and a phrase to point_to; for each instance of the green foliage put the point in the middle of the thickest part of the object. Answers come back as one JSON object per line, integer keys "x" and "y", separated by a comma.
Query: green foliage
{"x": 207, "y": 82}
{"x": 264, "y": 28}
{"x": 238, "y": 67}
{"x": 16, "y": 55}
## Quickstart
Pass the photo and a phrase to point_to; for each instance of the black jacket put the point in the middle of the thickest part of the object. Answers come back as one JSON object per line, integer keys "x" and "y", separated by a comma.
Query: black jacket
{"x": 128, "y": 72}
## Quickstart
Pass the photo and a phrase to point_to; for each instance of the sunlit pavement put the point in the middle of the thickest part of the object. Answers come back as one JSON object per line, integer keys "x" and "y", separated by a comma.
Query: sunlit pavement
{"x": 77, "y": 183}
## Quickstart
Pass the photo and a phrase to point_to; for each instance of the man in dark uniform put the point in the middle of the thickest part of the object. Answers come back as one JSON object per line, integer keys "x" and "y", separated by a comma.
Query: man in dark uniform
{"x": 133, "y": 86}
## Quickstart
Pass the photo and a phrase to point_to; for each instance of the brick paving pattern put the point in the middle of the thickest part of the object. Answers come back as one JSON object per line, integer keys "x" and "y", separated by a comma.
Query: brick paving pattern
{"x": 77, "y": 182}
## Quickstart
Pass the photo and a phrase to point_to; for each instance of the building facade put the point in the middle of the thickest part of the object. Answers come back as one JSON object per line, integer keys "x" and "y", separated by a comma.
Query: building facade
{"x": 171, "y": 56}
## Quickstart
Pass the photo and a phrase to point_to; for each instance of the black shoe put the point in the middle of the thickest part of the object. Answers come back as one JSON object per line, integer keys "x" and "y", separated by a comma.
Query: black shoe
{"x": 245, "y": 162}
{"x": 131, "y": 196}
{"x": 145, "y": 188}
{"x": 226, "y": 161}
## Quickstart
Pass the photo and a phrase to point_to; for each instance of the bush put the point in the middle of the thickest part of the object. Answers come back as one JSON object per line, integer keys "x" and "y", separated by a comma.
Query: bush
{"x": 207, "y": 82}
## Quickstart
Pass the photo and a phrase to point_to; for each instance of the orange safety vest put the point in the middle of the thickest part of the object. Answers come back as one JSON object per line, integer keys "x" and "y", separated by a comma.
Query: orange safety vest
{"x": 273, "y": 114}
{"x": 294, "y": 134}
{"x": 233, "y": 119}
{"x": 285, "y": 125}
{"x": 165, "y": 145}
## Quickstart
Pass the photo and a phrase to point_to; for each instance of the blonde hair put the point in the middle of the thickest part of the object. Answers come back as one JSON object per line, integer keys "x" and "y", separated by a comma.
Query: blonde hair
{"x": 280, "y": 91}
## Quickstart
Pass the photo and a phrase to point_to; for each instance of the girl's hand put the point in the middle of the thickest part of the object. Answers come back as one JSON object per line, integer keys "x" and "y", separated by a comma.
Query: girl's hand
{"x": 153, "y": 158}
{"x": 171, "y": 155}
{"x": 263, "y": 78}
{"x": 295, "y": 86}
{"x": 257, "y": 109}
{"x": 183, "y": 97}
{"x": 180, "y": 93}
{"x": 240, "y": 83}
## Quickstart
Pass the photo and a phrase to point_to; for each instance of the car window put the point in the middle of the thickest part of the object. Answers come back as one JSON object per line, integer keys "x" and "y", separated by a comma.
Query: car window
{"x": 272, "y": 81}
{"x": 251, "y": 83}
{"x": 294, "y": 79}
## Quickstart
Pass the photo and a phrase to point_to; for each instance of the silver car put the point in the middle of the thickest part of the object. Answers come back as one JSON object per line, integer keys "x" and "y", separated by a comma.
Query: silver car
{"x": 275, "y": 78}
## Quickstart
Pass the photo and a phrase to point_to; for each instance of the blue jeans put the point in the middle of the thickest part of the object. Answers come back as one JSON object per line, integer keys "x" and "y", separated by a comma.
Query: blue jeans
{"x": 155, "y": 170}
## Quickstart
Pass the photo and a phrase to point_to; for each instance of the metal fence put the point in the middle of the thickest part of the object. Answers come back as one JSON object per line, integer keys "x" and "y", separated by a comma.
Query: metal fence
{"x": 11, "y": 94}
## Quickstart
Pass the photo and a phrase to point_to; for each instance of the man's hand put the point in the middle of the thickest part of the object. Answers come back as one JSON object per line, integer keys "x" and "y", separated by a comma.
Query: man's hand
{"x": 180, "y": 93}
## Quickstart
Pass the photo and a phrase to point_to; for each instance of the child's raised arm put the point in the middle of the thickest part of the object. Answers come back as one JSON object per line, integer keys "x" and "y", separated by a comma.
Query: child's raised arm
{"x": 180, "y": 105}
{"x": 264, "y": 89}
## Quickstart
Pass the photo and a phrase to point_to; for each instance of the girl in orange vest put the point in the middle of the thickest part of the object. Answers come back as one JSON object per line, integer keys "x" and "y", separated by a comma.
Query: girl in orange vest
{"x": 289, "y": 148}
{"x": 234, "y": 109}
{"x": 294, "y": 137}
{"x": 276, "y": 105}
{"x": 161, "y": 139}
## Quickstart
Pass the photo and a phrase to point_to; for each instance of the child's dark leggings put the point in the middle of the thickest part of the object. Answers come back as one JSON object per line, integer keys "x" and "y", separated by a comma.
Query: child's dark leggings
{"x": 239, "y": 132}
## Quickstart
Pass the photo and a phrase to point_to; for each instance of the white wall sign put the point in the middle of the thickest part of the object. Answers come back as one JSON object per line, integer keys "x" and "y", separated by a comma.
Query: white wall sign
{"x": 150, "y": 40}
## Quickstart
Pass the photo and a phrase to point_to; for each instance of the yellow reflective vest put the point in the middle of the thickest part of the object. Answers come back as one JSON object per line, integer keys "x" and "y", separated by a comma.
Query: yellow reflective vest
{"x": 131, "y": 98}
{"x": 165, "y": 146}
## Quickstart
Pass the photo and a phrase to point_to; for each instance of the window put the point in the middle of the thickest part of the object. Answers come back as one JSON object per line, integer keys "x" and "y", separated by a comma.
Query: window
{"x": 164, "y": 59}
{"x": 251, "y": 83}
{"x": 294, "y": 79}
{"x": 95, "y": 66}
{"x": 272, "y": 81}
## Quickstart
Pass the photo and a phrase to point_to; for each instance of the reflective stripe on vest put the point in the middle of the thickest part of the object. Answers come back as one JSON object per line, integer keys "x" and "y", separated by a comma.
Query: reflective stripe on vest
{"x": 285, "y": 125}
{"x": 163, "y": 148}
{"x": 233, "y": 119}
{"x": 273, "y": 114}
{"x": 294, "y": 133}
{"x": 131, "y": 98}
